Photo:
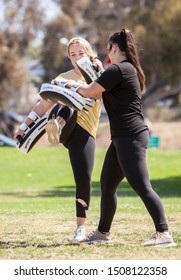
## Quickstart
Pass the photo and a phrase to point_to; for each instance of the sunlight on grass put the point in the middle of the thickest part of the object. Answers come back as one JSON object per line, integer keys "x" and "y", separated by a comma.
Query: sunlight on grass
{"x": 37, "y": 207}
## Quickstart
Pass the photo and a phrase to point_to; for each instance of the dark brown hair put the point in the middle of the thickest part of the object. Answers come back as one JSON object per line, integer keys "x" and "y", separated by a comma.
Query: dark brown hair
{"x": 127, "y": 45}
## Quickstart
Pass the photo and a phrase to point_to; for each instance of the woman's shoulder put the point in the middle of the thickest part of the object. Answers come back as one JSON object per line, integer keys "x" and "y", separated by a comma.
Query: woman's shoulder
{"x": 68, "y": 74}
{"x": 126, "y": 67}
{"x": 71, "y": 75}
{"x": 112, "y": 68}
{"x": 125, "y": 64}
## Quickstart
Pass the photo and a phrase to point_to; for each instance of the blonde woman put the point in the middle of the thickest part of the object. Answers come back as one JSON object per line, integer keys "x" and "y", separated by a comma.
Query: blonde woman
{"x": 81, "y": 142}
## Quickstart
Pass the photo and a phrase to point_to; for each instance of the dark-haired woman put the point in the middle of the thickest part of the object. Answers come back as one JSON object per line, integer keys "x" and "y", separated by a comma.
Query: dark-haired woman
{"x": 121, "y": 87}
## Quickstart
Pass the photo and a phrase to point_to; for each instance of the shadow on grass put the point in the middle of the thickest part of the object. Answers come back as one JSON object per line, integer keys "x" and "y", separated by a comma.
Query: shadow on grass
{"x": 23, "y": 244}
{"x": 167, "y": 187}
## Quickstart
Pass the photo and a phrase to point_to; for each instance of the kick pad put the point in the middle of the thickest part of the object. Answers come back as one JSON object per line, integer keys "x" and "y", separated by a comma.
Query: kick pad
{"x": 64, "y": 96}
{"x": 25, "y": 143}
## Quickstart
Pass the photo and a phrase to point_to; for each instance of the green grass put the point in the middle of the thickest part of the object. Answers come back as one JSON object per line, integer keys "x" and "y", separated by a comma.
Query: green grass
{"x": 37, "y": 208}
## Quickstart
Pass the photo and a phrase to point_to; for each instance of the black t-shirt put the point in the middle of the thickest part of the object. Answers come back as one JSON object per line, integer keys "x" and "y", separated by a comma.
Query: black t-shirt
{"x": 122, "y": 99}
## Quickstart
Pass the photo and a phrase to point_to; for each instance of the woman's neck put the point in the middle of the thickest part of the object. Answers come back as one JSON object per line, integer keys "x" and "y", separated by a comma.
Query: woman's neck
{"x": 77, "y": 72}
{"x": 120, "y": 57}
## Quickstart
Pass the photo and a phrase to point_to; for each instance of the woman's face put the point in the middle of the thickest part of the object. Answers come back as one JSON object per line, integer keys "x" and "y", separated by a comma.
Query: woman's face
{"x": 76, "y": 51}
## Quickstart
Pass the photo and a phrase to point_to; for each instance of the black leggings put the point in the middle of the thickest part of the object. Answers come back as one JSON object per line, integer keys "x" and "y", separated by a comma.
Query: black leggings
{"x": 126, "y": 157}
{"x": 81, "y": 148}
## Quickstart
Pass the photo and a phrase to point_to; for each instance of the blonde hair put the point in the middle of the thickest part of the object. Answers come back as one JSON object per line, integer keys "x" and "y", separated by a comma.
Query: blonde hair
{"x": 85, "y": 44}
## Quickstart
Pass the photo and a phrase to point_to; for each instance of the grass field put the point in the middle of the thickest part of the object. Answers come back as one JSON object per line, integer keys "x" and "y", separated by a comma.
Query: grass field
{"x": 37, "y": 208}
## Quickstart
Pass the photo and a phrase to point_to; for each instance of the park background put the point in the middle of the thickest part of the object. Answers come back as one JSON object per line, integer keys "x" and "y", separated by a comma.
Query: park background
{"x": 37, "y": 190}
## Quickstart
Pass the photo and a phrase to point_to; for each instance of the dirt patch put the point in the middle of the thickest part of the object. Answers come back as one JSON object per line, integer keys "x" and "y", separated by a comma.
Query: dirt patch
{"x": 169, "y": 133}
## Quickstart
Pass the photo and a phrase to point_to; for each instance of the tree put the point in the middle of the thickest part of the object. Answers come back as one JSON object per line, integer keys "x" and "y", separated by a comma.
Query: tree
{"x": 19, "y": 24}
{"x": 156, "y": 25}
{"x": 53, "y": 52}
{"x": 158, "y": 31}
{"x": 93, "y": 20}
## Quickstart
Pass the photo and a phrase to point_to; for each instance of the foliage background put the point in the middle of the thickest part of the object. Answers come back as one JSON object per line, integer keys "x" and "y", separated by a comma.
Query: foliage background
{"x": 27, "y": 33}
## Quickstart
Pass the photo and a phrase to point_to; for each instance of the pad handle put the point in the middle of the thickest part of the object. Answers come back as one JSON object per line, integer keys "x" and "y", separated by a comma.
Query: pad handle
{"x": 19, "y": 138}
